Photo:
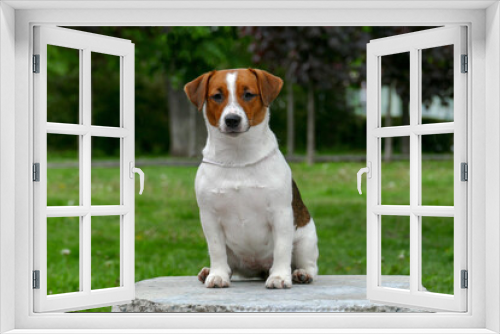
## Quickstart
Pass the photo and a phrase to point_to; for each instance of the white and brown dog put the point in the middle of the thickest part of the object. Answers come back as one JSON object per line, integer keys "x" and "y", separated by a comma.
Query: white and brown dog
{"x": 251, "y": 211}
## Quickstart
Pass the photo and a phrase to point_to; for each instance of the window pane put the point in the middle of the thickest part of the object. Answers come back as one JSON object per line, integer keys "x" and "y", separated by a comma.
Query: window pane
{"x": 395, "y": 94}
{"x": 63, "y": 255}
{"x": 105, "y": 171}
{"x": 437, "y": 254}
{"x": 63, "y": 173}
{"x": 395, "y": 266}
{"x": 437, "y": 170}
{"x": 437, "y": 84}
{"x": 395, "y": 171}
{"x": 105, "y": 252}
{"x": 105, "y": 89}
{"x": 63, "y": 85}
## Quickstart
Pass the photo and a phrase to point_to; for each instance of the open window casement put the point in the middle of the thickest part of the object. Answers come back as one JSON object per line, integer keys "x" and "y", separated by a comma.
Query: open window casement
{"x": 83, "y": 212}
{"x": 415, "y": 212}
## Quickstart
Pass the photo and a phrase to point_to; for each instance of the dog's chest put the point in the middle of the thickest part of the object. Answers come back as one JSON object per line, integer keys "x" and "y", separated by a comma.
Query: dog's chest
{"x": 243, "y": 188}
{"x": 243, "y": 200}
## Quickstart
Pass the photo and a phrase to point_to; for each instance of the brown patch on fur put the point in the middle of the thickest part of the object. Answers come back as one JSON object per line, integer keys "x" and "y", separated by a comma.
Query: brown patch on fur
{"x": 301, "y": 276}
{"x": 247, "y": 82}
{"x": 301, "y": 216}
{"x": 269, "y": 85}
{"x": 196, "y": 90}
{"x": 264, "y": 85}
{"x": 218, "y": 85}
{"x": 203, "y": 274}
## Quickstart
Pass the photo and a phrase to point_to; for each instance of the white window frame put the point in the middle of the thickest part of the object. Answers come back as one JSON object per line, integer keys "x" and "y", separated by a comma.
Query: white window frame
{"x": 413, "y": 44}
{"x": 16, "y": 214}
{"x": 85, "y": 43}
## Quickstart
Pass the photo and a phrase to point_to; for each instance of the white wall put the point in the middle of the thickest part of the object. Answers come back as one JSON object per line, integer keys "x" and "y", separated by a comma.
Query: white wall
{"x": 492, "y": 166}
{"x": 7, "y": 160}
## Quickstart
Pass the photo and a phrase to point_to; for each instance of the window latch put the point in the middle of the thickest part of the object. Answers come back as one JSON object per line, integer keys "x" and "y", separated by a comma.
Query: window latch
{"x": 133, "y": 170}
{"x": 368, "y": 171}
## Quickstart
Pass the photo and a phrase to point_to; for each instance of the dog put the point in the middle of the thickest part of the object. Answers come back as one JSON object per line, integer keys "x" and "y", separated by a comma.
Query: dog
{"x": 251, "y": 211}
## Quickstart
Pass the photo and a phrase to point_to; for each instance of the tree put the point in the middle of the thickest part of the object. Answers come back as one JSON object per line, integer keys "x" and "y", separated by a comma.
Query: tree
{"x": 319, "y": 58}
{"x": 332, "y": 58}
{"x": 388, "y": 122}
{"x": 290, "y": 115}
{"x": 271, "y": 46}
{"x": 173, "y": 56}
{"x": 186, "y": 53}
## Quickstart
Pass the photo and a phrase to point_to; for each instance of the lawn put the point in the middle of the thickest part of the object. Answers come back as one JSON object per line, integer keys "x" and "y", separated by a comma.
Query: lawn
{"x": 169, "y": 240}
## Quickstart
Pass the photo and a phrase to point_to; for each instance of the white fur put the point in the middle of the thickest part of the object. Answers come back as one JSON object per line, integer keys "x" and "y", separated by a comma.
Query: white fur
{"x": 232, "y": 106}
{"x": 246, "y": 212}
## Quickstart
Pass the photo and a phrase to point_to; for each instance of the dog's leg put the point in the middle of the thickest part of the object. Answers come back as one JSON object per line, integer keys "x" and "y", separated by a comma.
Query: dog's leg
{"x": 305, "y": 254}
{"x": 280, "y": 272}
{"x": 219, "y": 272}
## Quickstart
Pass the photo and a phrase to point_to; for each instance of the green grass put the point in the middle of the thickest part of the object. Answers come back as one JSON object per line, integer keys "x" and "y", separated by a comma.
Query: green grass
{"x": 169, "y": 238}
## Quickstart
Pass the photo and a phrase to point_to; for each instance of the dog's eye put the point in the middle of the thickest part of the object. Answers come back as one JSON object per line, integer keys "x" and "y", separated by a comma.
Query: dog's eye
{"x": 217, "y": 97}
{"x": 248, "y": 96}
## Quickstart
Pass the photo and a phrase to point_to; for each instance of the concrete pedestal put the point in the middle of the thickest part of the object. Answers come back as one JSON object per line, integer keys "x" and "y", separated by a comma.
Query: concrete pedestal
{"x": 325, "y": 294}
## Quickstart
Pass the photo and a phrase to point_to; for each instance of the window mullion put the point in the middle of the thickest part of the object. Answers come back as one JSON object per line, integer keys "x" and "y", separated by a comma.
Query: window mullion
{"x": 80, "y": 169}
{"x": 415, "y": 236}
{"x": 85, "y": 167}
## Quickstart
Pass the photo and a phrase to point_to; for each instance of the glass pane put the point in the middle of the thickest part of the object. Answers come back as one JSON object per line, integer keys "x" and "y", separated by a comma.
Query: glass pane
{"x": 437, "y": 84}
{"x": 105, "y": 252}
{"x": 437, "y": 254}
{"x": 105, "y": 171}
{"x": 437, "y": 169}
{"x": 395, "y": 94}
{"x": 395, "y": 266}
{"x": 105, "y": 89}
{"x": 395, "y": 171}
{"x": 63, "y": 85}
{"x": 63, "y": 255}
{"x": 63, "y": 173}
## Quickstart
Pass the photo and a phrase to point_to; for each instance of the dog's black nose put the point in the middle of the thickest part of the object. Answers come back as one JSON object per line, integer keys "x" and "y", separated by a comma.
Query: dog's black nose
{"x": 232, "y": 121}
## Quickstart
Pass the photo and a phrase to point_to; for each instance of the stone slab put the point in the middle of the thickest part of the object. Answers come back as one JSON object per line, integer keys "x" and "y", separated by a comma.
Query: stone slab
{"x": 325, "y": 294}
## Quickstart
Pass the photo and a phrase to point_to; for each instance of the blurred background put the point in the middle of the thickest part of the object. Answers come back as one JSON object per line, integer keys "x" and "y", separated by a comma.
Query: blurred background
{"x": 319, "y": 119}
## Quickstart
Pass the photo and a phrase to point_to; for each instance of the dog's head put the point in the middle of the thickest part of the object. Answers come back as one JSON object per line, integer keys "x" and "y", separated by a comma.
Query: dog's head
{"x": 234, "y": 100}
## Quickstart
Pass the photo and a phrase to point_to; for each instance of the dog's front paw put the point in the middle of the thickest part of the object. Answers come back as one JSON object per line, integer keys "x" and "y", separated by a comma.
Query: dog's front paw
{"x": 301, "y": 276}
{"x": 279, "y": 282}
{"x": 217, "y": 281}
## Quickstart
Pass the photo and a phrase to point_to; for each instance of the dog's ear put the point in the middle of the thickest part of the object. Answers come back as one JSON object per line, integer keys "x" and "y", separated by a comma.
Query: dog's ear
{"x": 269, "y": 85}
{"x": 196, "y": 90}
